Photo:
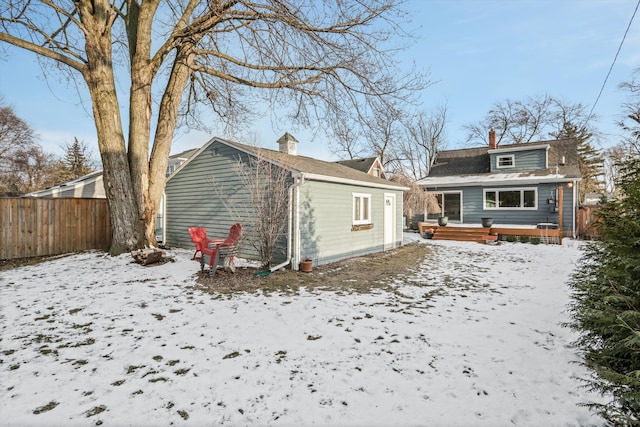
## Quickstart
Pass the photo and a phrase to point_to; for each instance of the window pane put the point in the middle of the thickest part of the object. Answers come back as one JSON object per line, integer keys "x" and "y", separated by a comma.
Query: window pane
{"x": 505, "y": 161}
{"x": 529, "y": 199}
{"x": 509, "y": 199}
{"x": 356, "y": 208}
{"x": 365, "y": 208}
{"x": 490, "y": 199}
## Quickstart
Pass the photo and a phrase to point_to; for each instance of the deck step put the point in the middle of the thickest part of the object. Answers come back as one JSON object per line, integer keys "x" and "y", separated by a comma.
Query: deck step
{"x": 464, "y": 234}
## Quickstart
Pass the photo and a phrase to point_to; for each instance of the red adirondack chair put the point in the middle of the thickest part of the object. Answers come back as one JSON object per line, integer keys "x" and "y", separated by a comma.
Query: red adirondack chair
{"x": 199, "y": 238}
{"x": 222, "y": 250}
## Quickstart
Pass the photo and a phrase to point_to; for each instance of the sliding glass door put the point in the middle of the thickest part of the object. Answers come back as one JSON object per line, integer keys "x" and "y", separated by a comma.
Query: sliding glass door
{"x": 450, "y": 205}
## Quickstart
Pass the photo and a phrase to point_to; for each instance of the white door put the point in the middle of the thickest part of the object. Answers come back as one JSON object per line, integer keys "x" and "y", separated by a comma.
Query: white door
{"x": 389, "y": 220}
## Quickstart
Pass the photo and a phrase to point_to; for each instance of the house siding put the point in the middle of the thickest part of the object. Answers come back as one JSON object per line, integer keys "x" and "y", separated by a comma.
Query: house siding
{"x": 326, "y": 211}
{"x": 473, "y": 206}
{"x": 192, "y": 198}
{"x": 523, "y": 161}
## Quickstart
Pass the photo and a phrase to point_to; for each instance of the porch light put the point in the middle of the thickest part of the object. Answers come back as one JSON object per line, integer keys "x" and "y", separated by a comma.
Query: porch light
{"x": 570, "y": 185}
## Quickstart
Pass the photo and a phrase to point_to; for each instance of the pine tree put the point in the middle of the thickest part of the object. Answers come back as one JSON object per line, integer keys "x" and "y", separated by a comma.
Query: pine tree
{"x": 590, "y": 160}
{"x": 606, "y": 302}
{"x": 75, "y": 163}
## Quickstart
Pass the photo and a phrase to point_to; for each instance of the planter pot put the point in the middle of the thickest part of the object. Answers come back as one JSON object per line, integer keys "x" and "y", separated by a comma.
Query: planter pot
{"x": 443, "y": 220}
{"x": 306, "y": 266}
{"x": 487, "y": 222}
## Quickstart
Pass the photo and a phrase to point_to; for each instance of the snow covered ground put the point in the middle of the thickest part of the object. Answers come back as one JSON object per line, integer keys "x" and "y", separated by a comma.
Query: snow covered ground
{"x": 474, "y": 338}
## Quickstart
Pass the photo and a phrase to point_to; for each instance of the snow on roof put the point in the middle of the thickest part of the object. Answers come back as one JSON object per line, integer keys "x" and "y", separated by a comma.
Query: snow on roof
{"x": 493, "y": 178}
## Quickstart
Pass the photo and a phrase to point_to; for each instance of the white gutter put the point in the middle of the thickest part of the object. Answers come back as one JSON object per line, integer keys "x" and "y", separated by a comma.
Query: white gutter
{"x": 288, "y": 260}
{"x": 523, "y": 148}
{"x": 317, "y": 177}
{"x": 476, "y": 181}
{"x": 575, "y": 206}
{"x": 296, "y": 255}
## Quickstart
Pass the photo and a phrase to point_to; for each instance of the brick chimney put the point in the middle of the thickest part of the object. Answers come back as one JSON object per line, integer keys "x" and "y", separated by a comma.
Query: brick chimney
{"x": 288, "y": 144}
{"x": 492, "y": 139}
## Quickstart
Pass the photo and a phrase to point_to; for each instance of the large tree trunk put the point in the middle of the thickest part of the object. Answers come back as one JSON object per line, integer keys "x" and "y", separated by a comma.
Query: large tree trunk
{"x": 167, "y": 121}
{"x": 126, "y": 222}
{"x": 140, "y": 108}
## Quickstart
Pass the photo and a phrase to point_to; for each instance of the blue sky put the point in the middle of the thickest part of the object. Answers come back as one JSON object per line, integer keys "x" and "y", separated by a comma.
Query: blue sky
{"x": 478, "y": 52}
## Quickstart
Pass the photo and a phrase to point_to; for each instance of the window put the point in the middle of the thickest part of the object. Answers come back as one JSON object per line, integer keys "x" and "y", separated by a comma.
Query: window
{"x": 361, "y": 208}
{"x": 505, "y": 161}
{"x": 511, "y": 198}
{"x": 376, "y": 172}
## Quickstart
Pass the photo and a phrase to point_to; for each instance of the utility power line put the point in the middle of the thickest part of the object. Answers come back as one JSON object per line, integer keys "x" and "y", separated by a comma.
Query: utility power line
{"x": 612, "y": 64}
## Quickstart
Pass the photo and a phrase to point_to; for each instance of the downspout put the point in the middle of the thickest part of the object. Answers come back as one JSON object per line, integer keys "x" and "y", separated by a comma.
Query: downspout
{"x": 164, "y": 218}
{"x": 575, "y": 207}
{"x": 287, "y": 261}
{"x": 296, "y": 231}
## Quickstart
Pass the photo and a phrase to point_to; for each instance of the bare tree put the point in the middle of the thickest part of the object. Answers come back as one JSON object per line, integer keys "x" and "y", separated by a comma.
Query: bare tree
{"x": 15, "y": 133}
{"x": 517, "y": 122}
{"x": 308, "y": 58}
{"x": 425, "y": 136}
{"x": 24, "y": 166}
{"x": 415, "y": 200}
{"x": 266, "y": 216}
{"x": 378, "y": 132}
{"x": 629, "y": 147}
{"x": 631, "y": 110}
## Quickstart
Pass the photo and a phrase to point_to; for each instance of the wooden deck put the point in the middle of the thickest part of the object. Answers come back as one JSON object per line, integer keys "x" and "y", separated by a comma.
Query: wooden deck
{"x": 477, "y": 233}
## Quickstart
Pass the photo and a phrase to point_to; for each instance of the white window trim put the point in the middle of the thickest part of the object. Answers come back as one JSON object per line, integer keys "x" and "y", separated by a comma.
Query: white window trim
{"x": 505, "y": 156}
{"x": 353, "y": 214}
{"x": 520, "y": 189}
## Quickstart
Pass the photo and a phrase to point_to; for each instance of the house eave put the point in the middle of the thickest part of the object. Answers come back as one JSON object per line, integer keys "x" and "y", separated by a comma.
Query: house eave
{"x": 494, "y": 179}
{"x": 523, "y": 148}
{"x": 326, "y": 178}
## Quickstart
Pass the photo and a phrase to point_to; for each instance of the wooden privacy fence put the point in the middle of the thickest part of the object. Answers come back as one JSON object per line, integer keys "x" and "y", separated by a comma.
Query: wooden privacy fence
{"x": 587, "y": 218}
{"x": 40, "y": 227}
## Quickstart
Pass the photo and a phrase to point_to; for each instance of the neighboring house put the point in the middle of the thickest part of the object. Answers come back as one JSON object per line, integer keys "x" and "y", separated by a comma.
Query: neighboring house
{"x": 370, "y": 165}
{"x": 88, "y": 186}
{"x": 178, "y": 159}
{"x": 335, "y": 212}
{"x": 92, "y": 186}
{"x": 513, "y": 184}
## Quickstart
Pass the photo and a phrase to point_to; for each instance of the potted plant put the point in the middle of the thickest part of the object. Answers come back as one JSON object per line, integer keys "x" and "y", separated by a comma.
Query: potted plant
{"x": 306, "y": 265}
{"x": 487, "y": 222}
{"x": 443, "y": 220}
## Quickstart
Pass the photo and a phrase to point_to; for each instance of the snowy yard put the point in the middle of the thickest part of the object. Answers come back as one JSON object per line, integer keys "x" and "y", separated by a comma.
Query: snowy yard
{"x": 473, "y": 338}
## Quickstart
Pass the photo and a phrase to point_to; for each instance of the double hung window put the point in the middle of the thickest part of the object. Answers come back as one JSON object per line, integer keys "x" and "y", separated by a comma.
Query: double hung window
{"x": 507, "y": 161}
{"x": 361, "y": 208}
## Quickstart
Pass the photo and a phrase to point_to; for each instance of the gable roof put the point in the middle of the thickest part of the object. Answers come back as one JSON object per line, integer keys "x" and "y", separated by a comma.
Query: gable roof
{"x": 312, "y": 169}
{"x": 363, "y": 165}
{"x": 92, "y": 183}
{"x": 471, "y": 166}
{"x": 184, "y": 155}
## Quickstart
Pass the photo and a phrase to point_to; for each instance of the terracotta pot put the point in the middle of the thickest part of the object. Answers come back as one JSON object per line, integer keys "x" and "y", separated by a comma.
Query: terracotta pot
{"x": 306, "y": 266}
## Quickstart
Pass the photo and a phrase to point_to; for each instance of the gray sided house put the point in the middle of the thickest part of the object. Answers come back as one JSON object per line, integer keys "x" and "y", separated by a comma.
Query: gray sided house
{"x": 370, "y": 165}
{"x": 88, "y": 186}
{"x": 334, "y": 212}
{"x": 512, "y": 184}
